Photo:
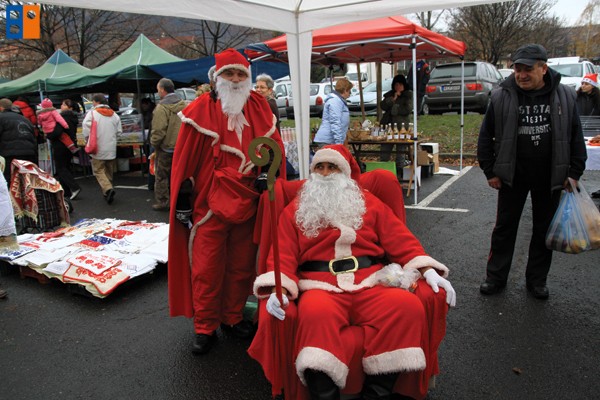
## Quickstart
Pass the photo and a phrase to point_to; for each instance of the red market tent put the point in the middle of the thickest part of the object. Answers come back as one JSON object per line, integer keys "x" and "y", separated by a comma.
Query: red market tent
{"x": 386, "y": 39}
{"x": 379, "y": 40}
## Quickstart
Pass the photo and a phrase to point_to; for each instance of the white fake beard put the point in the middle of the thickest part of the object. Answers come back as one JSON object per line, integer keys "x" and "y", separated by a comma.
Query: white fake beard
{"x": 332, "y": 200}
{"x": 233, "y": 97}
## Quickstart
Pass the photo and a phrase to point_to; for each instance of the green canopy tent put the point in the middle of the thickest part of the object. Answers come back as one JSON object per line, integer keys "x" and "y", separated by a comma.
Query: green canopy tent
{"x": 128, "y": 72}
{"x": 58, "y": 66}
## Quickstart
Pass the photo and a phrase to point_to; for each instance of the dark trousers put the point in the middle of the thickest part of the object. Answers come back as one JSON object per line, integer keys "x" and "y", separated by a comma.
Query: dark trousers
{"x": 510, "y": 206}
{"x": 62, "y": 163}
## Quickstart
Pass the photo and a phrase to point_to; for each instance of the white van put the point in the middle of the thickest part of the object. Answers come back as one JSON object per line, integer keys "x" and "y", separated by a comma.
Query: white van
{"x": 571, "y": 69}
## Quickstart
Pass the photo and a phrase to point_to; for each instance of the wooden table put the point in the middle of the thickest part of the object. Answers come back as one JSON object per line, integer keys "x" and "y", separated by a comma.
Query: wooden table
{"x": 400, "y": 147}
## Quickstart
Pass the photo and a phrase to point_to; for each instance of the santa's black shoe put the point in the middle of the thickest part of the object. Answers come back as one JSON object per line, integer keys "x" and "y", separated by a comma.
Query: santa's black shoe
{"x": 203, "y": 343}
{"x": 243, "y": 329}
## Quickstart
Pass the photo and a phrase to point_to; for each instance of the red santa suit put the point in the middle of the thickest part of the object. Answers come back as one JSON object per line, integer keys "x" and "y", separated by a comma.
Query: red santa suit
{"x": 393, "y": 320}
{"x": 212, "y": 265}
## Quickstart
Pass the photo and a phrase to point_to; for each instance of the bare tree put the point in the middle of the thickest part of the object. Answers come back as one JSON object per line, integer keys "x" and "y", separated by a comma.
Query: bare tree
{"x": 588, "y": 43}
{"x": 492, "y": 31}
{"x": 91, "y": 37}
{"x": 429, "y": 19}
{"x": 205, "y": 38}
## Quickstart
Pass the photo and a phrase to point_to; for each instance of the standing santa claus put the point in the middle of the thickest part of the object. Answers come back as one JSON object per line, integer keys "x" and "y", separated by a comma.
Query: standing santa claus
{"x": 336, "y": 240}
{"x": 213, "y": 203}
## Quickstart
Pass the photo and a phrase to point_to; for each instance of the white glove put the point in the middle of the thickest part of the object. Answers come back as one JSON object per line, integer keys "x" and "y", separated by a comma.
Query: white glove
{"x": 274, "y": 307}
{"x": 436, "y": 282}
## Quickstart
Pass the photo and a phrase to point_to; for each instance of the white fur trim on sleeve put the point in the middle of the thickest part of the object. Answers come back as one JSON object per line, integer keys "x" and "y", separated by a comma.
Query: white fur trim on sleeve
{"x": 426, "y": 261}
{"x": 263, "y": 285}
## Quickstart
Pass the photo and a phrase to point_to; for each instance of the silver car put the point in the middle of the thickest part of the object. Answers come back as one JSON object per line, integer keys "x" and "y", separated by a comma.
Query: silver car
{"x": 369, "y": 98}
{"x": 444, "y": 87}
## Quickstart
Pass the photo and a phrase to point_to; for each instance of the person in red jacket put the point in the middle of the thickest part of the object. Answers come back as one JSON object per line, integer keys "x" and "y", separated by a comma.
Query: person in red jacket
{"x": 347, "y": 258}
{"x": 28, "y": 112}
{"x": 211, "y": 254}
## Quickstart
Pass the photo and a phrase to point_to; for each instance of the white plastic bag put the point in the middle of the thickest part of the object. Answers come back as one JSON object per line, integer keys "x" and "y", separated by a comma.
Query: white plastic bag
{"x": 576, "y": 224}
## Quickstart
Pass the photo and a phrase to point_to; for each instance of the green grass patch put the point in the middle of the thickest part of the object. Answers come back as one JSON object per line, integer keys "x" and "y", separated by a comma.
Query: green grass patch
{"x": 442, "y": 129}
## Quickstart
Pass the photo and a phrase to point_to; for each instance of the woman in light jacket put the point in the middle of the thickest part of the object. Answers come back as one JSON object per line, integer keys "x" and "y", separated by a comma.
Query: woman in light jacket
{"x": 336, "y": 116}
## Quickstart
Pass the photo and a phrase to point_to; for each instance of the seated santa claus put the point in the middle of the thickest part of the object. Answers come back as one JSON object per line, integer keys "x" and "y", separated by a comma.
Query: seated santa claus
{"x": 349, "y": 261}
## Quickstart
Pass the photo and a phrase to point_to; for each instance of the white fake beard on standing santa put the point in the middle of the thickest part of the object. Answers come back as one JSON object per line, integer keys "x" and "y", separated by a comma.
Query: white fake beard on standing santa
{"x": 332, "y": 200}
{"x": 233, "y": 96}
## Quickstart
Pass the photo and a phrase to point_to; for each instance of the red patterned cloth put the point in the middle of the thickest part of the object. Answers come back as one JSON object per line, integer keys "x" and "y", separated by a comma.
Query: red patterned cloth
{"x": 104, "y": 282}
{"x": 25, "y": 178}
{"x": 95, "y": 263}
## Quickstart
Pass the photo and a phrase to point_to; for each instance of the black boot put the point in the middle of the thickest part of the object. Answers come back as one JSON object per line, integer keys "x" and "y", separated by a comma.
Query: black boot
{"x": 321, "y": 386}
{"x": 379, "y": 387}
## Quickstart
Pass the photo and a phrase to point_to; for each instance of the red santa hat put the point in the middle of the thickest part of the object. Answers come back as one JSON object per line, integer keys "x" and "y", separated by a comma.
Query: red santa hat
{"x": 230, "y": 58}
{"x": 592, "y": 79}
{"x": 339, "y": 155}
{"x": 47, "y": 103}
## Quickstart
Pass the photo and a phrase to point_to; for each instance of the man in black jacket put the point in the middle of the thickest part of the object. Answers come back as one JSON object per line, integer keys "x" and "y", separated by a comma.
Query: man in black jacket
{"x": 17, "y": 137}
{"x": 530, "y": 141}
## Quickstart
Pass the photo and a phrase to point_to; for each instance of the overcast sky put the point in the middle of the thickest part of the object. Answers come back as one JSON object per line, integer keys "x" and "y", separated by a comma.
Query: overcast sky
{"x": 569, "y": 9}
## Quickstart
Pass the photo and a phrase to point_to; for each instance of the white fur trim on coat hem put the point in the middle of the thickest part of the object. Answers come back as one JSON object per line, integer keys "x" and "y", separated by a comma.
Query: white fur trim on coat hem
{"x": 263, "y": 285}
{"x": 321, "y": 360}
{"x": 401, "y": 360}
{"x": 426, "y": 261}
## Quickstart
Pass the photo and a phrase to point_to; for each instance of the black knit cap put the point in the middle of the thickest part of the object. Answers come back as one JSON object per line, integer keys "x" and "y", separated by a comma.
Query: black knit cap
{"x": 529, "y": 54}
{"x": 399, "y": 79}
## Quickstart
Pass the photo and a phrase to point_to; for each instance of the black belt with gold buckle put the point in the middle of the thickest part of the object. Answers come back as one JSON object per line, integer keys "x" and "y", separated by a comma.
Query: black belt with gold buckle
{"x": 340, "y": 265}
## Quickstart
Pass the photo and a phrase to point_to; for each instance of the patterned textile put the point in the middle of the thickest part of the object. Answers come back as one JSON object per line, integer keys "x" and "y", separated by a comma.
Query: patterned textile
{"x": 94, "y": 262}
{"x": 32, "y": 189}
{"x": 104, "y": 282}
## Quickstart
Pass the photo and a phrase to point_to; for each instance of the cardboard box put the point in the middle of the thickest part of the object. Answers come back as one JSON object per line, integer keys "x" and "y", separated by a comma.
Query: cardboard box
{"x": 424, "y": 158}
{"x": 433, "y": 148}
{"x": 436, "y": 163}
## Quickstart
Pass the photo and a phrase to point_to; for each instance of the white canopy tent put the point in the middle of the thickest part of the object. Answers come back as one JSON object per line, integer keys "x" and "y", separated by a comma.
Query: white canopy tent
{"x": 297, "y": 18}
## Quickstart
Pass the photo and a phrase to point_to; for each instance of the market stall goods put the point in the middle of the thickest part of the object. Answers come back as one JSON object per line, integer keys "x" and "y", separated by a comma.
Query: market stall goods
{"x": 96, "y": 254}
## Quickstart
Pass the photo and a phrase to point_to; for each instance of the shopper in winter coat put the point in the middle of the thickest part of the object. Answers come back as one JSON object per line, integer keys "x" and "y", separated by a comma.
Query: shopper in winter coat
{"x": 61, "y": 152}
{"x": 48, "y": 118}
{"x": 17, "y": 137}
{"x": 104, "y": 162}
{"x": 588, "y": 96}
{"x": 530, "y": 144}
{"x": 336, "y": 116}
{"x": 165, "y": 128}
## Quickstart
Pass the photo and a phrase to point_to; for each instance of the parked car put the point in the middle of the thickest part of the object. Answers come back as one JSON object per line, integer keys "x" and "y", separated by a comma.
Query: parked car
{"x": 571, "y": 69}
{"x": 369, "y": 98}
{"x": 505, "y": 72}
{"x": 282, "y": 91}
{"x": 187, "y": 94}
{"x": 318, "y": 92}
{"x": 443, "y": 92}
{"x": 353, "y": 77}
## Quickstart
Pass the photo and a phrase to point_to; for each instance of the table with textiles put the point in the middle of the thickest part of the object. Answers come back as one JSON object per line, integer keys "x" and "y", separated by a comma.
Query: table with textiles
{"x": 97, "y": 254}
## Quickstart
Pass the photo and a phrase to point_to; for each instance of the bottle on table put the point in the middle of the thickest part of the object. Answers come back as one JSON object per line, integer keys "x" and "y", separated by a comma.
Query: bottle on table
{"x": 403, "y": 133}
{"x": 411, "y": 131}
{"x": 390, "y": 132}
{"x": 396, "y": 133}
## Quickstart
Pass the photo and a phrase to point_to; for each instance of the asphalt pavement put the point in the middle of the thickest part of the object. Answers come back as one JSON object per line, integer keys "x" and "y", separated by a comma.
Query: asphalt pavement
{"x": 55, "y": 344}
